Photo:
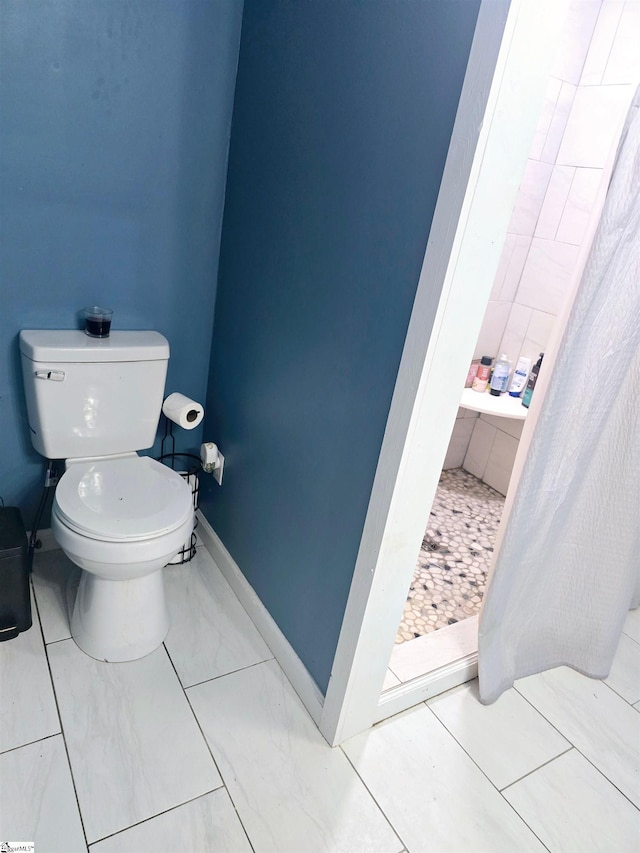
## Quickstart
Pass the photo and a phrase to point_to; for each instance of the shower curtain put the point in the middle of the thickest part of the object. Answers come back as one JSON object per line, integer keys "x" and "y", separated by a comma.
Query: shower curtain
{"x": 568, "y": 568}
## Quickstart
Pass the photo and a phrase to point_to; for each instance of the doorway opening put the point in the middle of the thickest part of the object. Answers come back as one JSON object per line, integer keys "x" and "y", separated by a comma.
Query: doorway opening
{"x": 590, "y": 85}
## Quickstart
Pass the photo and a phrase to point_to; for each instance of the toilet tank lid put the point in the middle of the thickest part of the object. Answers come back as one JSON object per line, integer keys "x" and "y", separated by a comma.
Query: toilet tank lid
{"x": 62, "y": 345}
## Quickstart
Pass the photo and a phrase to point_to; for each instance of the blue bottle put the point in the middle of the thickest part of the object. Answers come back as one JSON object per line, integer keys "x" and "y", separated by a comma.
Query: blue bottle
{"x": 531, "y": 384}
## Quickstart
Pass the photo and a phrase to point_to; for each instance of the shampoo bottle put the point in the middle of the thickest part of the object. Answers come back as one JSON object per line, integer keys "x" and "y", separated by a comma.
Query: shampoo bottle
{"x": 472, "y": 373}
{"x": 531, "y": 384}
{"x": 481, "y": 378}
{"x": 500, "y": 378}
{"x": 520, "y": 375}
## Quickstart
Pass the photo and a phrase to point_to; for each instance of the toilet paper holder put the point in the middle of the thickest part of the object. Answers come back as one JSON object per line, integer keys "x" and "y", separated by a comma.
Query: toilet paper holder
{"x": 188, "y": 466}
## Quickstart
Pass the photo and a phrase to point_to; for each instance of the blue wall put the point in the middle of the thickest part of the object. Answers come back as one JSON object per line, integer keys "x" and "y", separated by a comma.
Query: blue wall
{"x": 113, "y": 150}
{"x": 342, "y": 119}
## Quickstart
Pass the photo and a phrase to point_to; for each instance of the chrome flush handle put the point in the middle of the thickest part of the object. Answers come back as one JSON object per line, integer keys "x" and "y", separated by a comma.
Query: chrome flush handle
{"x": 54, "y": 375}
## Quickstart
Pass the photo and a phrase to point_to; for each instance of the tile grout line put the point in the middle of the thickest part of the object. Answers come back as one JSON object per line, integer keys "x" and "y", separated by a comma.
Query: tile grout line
{"x": 368, "y": 790}
{"x": 544, "y": 196}
{"x": 516, "y": 812}
{"x": 540, "y": 766}
{"x": 490, "y": 781}
{"x": 597, "y": 770}
{"x": 610, "y": 781}
{"x": 553, "y": 239}
{"x": 222, "y": 675}
{"x": 59, "y": 640}
{"x": 206, "y": 743}
{"x": 590, "y": 42}
{"x": 629, "y": 635}
{"x": 30, "y": 743}
{"x": 553, "y": 112}
{"x": 604, "y": 775}
{"x": 506, "y": 266}
{"x": 609, "y": 52}
{"x": 577, "y": 749}
{"x": 564, "y": 206}
{"x": 624, "y": 699}
{"x": 55, "y": 698}
{"x": 515, "y": 687}
{"x": 184, "y": 691}
{"x": 158, "y": 814}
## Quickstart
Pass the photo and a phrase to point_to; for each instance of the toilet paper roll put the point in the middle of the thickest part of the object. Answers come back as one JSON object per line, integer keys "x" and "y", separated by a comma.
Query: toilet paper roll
{"x": 183, "y": 411}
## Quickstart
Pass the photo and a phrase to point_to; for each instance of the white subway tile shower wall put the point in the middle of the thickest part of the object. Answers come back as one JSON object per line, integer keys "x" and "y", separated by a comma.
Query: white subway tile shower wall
{"x": 623, "y": 62}
{"x": 492, "y": 450}
{"x": 554, "y": 202}
{"x": 602, "y": 42}
{"x": 592, "y": 82}
{"x": 458, "y": 443}
{"x": 547, "y": 275}
{"x": 575, "y": 39}
{"x": 575, "y": 215}
{"x": 530, "y": 197}
{"x": 493, "y": 327}
{"x": 514, "y": 255}
{"x": 558, "y": 124}
{"x": 596, "y": 115}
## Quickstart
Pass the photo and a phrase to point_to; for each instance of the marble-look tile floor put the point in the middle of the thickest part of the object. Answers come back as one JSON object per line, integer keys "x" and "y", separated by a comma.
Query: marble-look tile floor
{"x": 204, "y": 746}
{"x": 451, "y": 571}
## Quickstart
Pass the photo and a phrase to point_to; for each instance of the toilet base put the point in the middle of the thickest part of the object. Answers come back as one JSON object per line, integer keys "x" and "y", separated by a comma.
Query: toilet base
{"x": 120, "y": 620}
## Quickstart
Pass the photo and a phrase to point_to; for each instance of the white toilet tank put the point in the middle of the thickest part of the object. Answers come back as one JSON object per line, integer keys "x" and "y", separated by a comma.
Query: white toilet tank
{"x": 93, "y": 396}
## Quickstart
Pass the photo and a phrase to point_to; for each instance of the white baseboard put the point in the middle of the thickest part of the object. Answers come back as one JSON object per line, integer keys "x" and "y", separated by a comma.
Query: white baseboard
{"x": 283, "y": 652}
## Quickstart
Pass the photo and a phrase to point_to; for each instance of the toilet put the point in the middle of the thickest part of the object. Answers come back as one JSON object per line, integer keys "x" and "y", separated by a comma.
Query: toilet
{"x": 120, "y": 517}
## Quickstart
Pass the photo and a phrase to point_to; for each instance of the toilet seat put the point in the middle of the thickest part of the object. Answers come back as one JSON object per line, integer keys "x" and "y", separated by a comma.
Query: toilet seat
{"x": 126, "y": 499}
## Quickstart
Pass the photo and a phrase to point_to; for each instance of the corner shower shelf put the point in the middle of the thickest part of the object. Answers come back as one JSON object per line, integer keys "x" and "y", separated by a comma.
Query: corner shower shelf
{"x": 502, "y": 407}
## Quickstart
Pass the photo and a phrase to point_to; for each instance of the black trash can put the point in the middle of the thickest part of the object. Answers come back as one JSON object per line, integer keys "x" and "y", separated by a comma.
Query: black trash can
{"x": 15, "y": 601}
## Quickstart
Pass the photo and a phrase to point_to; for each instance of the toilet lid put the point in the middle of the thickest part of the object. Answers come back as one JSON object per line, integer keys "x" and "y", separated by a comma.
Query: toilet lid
{"x": 131, "y": 498}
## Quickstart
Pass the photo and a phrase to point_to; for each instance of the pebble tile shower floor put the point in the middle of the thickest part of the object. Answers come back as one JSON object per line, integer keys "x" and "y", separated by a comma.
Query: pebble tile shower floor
{"x": 451, "y": 572}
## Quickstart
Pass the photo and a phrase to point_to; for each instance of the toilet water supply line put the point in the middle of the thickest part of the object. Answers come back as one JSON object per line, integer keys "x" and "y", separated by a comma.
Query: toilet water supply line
{"x": 50, "y": 481}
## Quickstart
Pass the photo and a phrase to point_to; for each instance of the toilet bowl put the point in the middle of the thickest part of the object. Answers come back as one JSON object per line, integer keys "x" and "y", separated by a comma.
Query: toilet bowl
{"x": 120, "y": 519}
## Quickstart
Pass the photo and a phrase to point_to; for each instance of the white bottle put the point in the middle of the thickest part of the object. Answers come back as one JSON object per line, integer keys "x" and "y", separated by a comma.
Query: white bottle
{"x": 500, "y": 378}
{"x": 520, "y": 375}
